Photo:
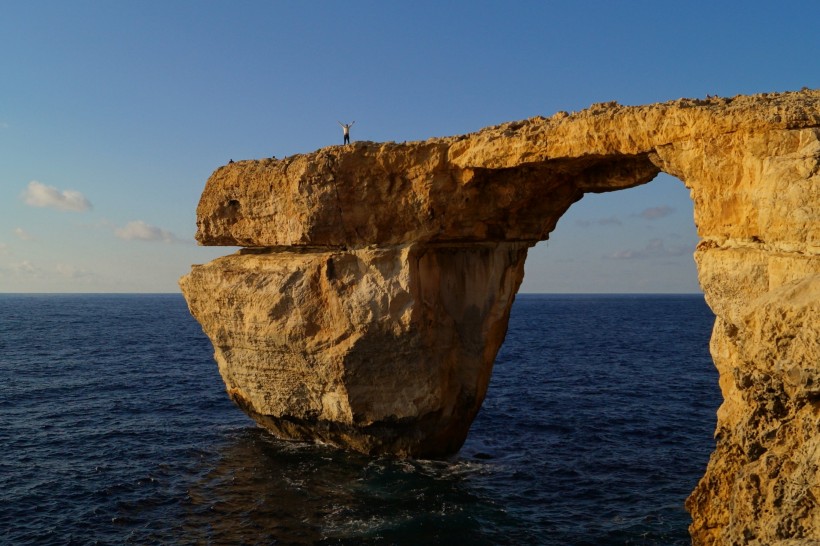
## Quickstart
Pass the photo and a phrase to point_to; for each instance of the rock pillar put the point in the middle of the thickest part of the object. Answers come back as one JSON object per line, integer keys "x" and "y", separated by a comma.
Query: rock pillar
{"x": 384, "y": 350}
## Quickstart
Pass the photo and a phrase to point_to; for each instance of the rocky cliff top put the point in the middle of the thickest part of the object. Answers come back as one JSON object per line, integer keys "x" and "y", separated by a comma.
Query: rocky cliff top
{"x": 509, "y": 182}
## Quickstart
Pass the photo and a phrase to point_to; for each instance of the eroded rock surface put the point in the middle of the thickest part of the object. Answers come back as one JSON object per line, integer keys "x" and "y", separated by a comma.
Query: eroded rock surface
{"x": 380, "y": 350}
{"x": 377, "y": 290}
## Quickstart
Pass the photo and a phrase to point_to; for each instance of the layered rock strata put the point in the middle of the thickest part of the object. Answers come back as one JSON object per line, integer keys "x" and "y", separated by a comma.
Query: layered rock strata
{"x": 376, "y": 285}
{"x": 380, "y": 350}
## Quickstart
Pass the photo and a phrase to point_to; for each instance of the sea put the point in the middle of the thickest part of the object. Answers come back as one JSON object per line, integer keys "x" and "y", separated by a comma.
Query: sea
{"x": 115, "y": 428}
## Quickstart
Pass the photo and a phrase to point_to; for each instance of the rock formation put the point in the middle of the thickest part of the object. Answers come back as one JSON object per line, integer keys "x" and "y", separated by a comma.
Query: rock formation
{"x": 375, "y": 287}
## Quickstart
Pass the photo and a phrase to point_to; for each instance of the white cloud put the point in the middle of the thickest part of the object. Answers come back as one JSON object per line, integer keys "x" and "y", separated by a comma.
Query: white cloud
{"x": 26, "y": 268}
{"x": 653, "y": 213}
{"x": 71, "y": 272}
{"x": 4, "y": 248}
{"x": 655, "y": 248}
{"x": 40, "y": 195}
{"x": 138, "y": 230}
{"x": 23, "y": 235}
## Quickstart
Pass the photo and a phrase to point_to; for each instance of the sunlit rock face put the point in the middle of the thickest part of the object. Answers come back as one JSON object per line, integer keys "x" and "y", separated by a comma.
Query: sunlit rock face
{"x": 378, "y": 350}
{"x": 375, "y": 287}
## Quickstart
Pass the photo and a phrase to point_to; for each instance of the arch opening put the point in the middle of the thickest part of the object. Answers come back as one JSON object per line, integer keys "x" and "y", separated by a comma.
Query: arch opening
{"x": 604, "y": 394}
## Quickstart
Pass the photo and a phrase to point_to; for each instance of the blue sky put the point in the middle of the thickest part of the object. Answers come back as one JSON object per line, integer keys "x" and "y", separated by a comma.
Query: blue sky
{"x": 113, "y": 114}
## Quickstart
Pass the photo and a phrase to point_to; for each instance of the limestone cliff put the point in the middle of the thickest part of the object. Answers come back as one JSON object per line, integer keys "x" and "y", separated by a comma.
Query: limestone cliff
{"x": 374, "y": 293}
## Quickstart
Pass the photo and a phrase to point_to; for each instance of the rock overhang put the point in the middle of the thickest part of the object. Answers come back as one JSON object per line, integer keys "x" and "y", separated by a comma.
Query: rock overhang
{"x": 503, "y": 183}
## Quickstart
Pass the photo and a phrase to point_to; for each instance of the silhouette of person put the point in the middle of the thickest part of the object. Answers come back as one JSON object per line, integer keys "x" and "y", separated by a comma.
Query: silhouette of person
{"x": 346, "y": 130}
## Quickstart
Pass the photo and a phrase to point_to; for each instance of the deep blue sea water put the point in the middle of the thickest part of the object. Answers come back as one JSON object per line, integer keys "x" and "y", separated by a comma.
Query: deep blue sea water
{"x": 115, "y": 428}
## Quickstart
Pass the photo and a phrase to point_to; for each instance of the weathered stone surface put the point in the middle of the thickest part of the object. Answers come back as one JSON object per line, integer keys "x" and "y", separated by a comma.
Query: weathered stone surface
{"x": 380, "y": 350}
{"x": 371, "y": 312}
{"x": 761, "y": 485}
{"x": 512, "y": 182}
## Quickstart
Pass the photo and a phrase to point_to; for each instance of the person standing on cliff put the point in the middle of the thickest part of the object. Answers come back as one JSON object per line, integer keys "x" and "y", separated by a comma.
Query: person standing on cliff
{"x": 346, "y": 130}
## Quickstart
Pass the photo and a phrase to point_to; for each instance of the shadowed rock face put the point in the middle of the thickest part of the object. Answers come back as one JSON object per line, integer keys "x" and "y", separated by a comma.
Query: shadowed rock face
{"x": 375, "y": 291}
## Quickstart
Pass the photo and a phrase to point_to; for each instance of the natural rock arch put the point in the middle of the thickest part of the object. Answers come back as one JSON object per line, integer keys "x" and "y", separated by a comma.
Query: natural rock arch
{"x": 375, "y": 287}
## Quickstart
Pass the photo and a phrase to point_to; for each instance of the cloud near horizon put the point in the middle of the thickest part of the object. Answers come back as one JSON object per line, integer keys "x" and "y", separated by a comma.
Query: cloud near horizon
{"x": 653, "y": 213}
{"x": 37, "y": 194}
{"x": 137, "y": 230}
{"x": 26, "y": 268}
{"x": 655, "y": 248}
{"x": 610, "y": 221}
{"x": 23, "y": 235}
{"x": 71, "y": 272}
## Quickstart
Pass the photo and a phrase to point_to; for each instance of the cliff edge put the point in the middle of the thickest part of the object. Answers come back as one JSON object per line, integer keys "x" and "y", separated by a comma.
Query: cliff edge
{"x": 375, "y": 285}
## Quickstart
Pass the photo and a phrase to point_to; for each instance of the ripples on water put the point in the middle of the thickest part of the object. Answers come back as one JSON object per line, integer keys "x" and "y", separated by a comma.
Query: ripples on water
{"x": 115, "y": 428}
